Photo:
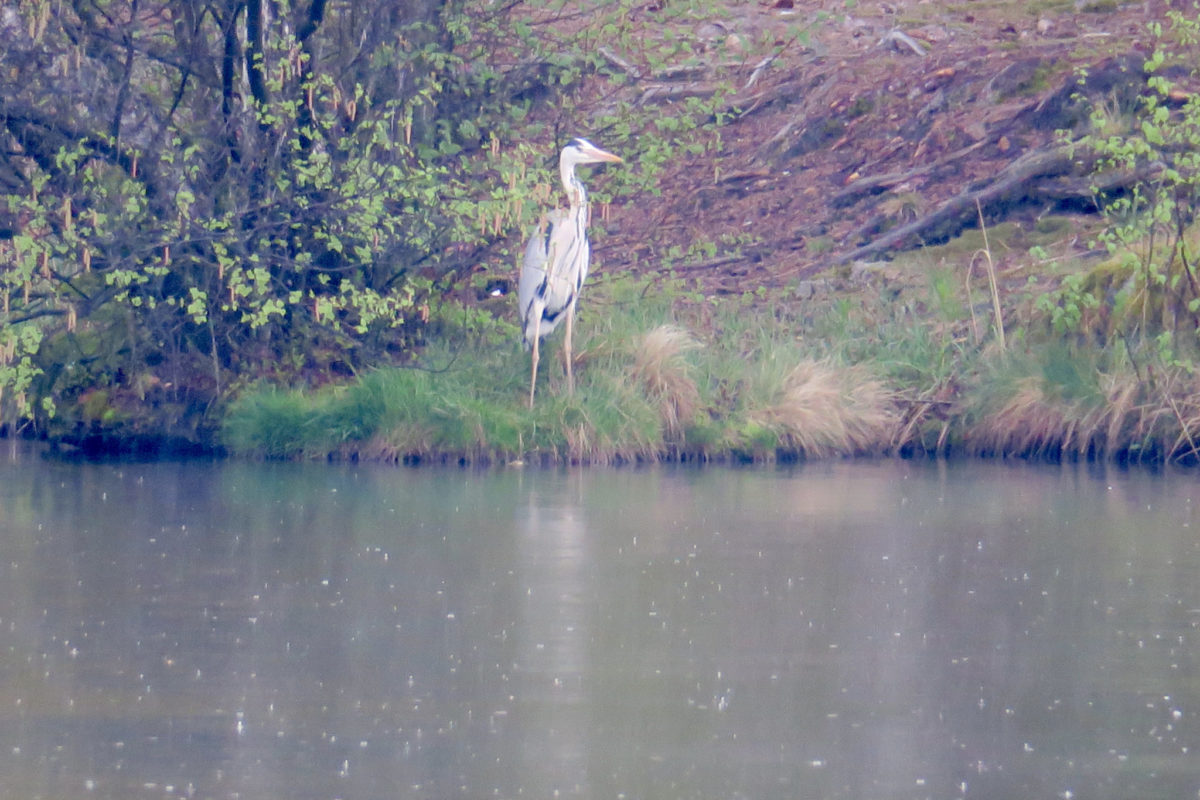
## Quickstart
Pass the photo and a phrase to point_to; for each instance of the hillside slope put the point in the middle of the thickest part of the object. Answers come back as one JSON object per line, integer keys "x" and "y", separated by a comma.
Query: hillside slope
{"x": 881, "y": 132}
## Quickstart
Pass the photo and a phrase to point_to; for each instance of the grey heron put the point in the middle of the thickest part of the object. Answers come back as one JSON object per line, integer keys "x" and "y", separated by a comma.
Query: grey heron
{"x": 556, "y": 260}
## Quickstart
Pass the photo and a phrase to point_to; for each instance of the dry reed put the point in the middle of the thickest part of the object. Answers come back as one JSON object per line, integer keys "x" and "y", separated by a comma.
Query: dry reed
{"x": 394, "y": 445}
{"x": 1128, "y": 421}
{"x": 825, "y": 410}
{"x": 661, "y": 369}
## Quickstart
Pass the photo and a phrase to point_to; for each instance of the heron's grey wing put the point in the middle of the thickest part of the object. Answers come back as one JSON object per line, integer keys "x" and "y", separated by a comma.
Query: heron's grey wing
{"x": 533, "y": 267}
{"x": 549, "y": 274}
{"x": 542, "y": 269}
{"x": 537, "y": 289}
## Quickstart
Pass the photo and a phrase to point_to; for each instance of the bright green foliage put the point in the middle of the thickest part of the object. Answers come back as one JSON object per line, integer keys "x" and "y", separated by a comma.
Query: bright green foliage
{"x": 1066, "y": 306}
{"x": 216, "y": 194}
{"x": 251, "y": 193}
{"x": 17, "y": 370}
{"x": 1149, "y": 292}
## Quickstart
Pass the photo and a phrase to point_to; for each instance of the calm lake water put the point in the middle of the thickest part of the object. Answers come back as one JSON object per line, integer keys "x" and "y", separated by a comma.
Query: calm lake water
{"x": 840, "y": 630}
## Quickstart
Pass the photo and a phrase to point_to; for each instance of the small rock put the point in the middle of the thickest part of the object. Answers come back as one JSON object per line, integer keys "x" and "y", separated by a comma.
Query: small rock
{"x": 809, "y": 289}
{"x": 867, "y": 271}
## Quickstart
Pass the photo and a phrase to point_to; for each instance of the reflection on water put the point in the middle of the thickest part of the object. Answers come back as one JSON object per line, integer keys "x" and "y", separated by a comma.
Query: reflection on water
{"x": 845, "y": 630}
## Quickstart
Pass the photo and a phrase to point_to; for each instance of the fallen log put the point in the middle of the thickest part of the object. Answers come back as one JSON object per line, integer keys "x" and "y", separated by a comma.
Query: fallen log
{"x": 1012, "y": 182}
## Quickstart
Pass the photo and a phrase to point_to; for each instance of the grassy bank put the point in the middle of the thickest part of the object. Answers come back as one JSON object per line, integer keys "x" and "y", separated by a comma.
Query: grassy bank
{"x": 871, "y": 369}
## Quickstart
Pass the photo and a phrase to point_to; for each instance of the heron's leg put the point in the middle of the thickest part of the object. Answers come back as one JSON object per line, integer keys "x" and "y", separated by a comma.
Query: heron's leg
{"x": 567, "y": 349}
{"x": 533, "y": 378}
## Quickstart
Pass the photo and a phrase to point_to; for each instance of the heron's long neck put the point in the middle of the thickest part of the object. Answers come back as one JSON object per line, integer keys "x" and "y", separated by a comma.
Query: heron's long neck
{"x": 576, "y": 194}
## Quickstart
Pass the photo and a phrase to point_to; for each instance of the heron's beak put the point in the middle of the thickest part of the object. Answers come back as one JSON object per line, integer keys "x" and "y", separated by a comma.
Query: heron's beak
{"x": 596, "y": 154}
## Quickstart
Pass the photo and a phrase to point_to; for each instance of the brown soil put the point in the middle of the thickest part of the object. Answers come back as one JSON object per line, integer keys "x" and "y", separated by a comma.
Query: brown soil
{"x": 852, "y": 134}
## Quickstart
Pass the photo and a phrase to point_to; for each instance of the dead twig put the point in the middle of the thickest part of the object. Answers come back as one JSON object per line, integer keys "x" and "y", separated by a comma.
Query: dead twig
{"x": 624, "y": 66}
{"x": 758, "y": 70}
{"x": 1185, "y": 433}
{"x": 901, "y": 40}
{"x": 991, "y": 273}
{"x": 761, "y": 66}
{"x": 889, "y": 179}
{"x": 667, "y": 94}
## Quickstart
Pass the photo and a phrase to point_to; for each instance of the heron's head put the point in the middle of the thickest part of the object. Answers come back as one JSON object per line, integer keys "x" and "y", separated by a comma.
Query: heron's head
{"x": 581, "y": 151}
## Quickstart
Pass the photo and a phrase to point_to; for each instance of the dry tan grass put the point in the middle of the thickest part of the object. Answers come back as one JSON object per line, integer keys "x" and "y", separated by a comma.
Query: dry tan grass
{"x": 1028, "y": 423}
{"x": 1183, "y": 399}
{"x": 1126, "y": 421}
{"x": 826, "y": 410}
{"x": 394, "y": 445}
{"x": 586, "y": 444}
{"x": 661, "y": 369}
{"x": 581, "y": 445}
